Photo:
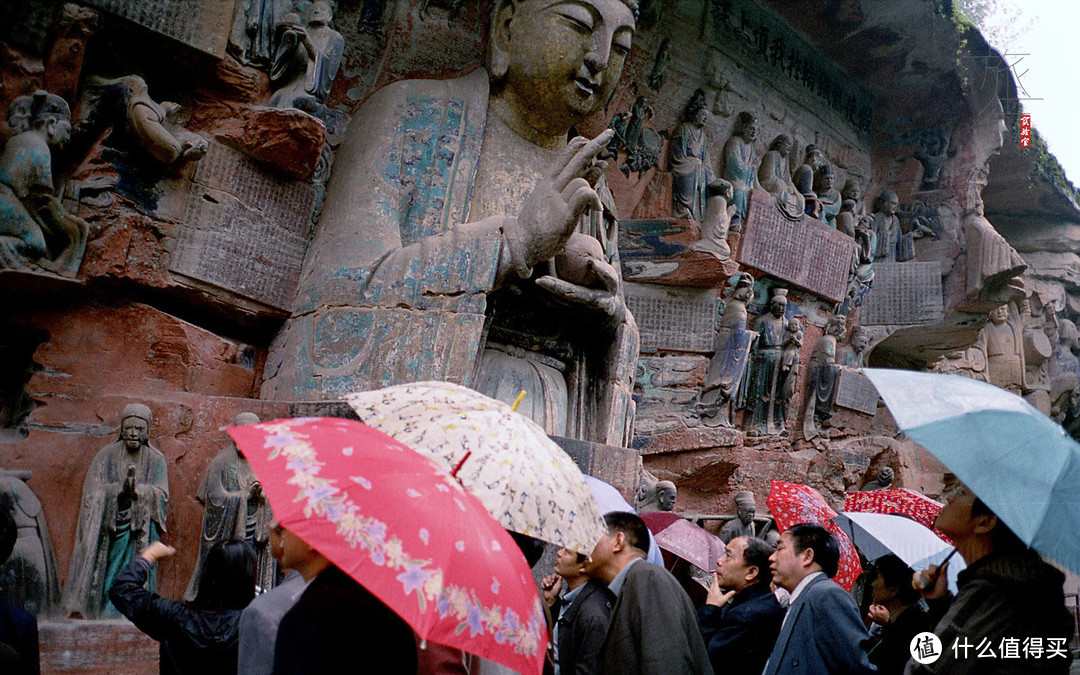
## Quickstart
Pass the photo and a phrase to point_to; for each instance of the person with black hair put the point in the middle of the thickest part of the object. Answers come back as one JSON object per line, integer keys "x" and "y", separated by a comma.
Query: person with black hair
{"x": 581, "y": 614}
{"x": 822, "y": 631}
{"x": 741, "y": 617}
{"x": 1007, "y": 592}
{"x": 653, "y": 626}
{"x": 202, "y": 637}
{"x": 896, "y": 609}
{"x": 18, "y": 628}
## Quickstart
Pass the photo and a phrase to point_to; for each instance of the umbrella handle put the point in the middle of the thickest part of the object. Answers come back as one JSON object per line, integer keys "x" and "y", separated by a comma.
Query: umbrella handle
{"x": 458, "y": 467}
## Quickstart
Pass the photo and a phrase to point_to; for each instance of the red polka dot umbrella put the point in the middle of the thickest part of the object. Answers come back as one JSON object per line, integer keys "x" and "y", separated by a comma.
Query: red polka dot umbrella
{"x": 794, "y": 503}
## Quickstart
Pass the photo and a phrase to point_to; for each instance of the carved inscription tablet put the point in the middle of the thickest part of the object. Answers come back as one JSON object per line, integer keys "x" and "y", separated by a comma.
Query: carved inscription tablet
{"x": 904, "y": 293}
{"x": 245, "y": 230}
{"x": 807, "y": 253}
{"x": 673, "y": 318}
{"x": 202, "y": 24}
{"x": 855, "y": 391}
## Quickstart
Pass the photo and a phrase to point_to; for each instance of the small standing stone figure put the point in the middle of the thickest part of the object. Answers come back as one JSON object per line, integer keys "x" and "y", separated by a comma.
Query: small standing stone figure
{"x": 893, "y": 244}
{"x": 741, "y": 165}
{"x": 689, "y": 160}
{"x": 743, "y": 524}
{"x": 731, "y": 349}
{"x": 306, "y": 60}
{"x": 824, "y": 375}
{"x": 1003, "y": 342}
{"x": 827, "y": 194}
{"x": 774, "y": 176}
{"x": 764, "y": 377}
{"x": 35, "y": 230}
{"x": 28, "y": 577}
{"x": 789, "y": 368}
{"x": 851, "y": 355}
{"x": 883, "y": 481}
{"x": 124, "y": 504}
{"x": 718, "y": 214}
{"x": 234, "y": 508}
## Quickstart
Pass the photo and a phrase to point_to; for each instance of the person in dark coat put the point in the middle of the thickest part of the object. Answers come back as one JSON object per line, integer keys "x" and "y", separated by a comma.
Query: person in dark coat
{"x": 337, "y": 625}
{"x": 581, "y": 614}
{"x": 19, "y": 653}
{"x": 822, "y": 632}
{"x": 741, "y": 617}
{"x": 896, "y": 610}
{"x": 1006, "y": 593}
{"x": 654, "y": 626}
{"x": 201, "y": 638}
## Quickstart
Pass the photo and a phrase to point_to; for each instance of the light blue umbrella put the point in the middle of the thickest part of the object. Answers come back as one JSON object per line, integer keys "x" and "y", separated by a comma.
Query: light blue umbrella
{"x": 610, "y": 499}
{"x": 1019, "y": 462}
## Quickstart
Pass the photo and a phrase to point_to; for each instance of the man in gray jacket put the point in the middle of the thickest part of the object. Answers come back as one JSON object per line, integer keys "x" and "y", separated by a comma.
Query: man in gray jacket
{"x": 259, "y": 622}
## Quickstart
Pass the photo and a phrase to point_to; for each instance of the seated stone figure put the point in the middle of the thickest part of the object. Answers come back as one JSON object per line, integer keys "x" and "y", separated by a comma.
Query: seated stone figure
{"x": 124, "y": 502}
{"x": 775, "y": 178}
{"x": 35, "y": 230}
{"x": 447, "y": 200}
{"x": 306, "y": 60}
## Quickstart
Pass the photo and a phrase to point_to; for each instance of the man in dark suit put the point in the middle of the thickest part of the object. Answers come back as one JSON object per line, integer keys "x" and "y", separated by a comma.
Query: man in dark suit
{"x": 337, "y": 625}
{"x": 581, "y": 614}
{"x": 741, "y": 617}
{"x": 822, "y": 631}
{"x": 653, "y": 624}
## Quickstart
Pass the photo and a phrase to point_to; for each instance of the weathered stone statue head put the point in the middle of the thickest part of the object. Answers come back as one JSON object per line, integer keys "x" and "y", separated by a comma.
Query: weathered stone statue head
{"x": 554, "y": 63}
{"x": 883, "y": 481}
{"x": 43, "y": 112}
{"x": 320, "y": 14}
{"x": 697, "y": 110}
{"x": 746, "y": 126}
{"x": 781, "y": 144}
{"x": 825, "y": 178}
{"x": 887, "y": 203}
{"x": 814, "y": 159}
{"x": 852, "y": 190}
{"x": 665, "y": 495}
{"x": 778, "y": 305}
{"x": 745, "y": 506}
{"x": 135, "y": 426}
{"x": 860, "y": 339}
{"x": 999, "y": 314}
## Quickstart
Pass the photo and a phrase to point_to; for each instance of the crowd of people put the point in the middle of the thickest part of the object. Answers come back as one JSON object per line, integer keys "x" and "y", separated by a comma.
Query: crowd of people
{"x": 769, "y": 610}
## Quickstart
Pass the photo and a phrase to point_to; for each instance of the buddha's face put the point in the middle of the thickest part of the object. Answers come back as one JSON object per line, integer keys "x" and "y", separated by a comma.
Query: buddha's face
{"x": 564, "y": 57}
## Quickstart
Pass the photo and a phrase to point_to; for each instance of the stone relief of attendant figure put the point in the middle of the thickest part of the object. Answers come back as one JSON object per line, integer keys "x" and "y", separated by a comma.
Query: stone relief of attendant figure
{"x": 743, "y": 523}
{"x": 850, "y": 355}
{"x": 35, "y": 230}
{"x": 741, "y": 165}
{"x": 774, "y": 176}
{"x": 124, "y": 503}
{"x": 724, "y": 378}
{"x": 718, "y": 214}
{"x": 823, "y": 378}
{"x": 764, "y": 381}
{"x": 252, "y": 38}
{"x": 893, "y": 244}
{"x": 827, "y": 194}
{"x": 234, "y": 508}
{"x": 789, "y": 369}
{"x": 447, "y": 200}
{"x": 154, "y": 126}
{"x": 28, "y": 578}
{"x": 1002, "y": 340}
{"x": 804, "y": 179}
{"x": 689, "y": 160}
{"x": 306, "y": 60}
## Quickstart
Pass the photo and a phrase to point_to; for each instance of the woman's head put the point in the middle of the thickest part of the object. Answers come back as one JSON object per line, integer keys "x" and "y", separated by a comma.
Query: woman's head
{"x": 228, "y": 577}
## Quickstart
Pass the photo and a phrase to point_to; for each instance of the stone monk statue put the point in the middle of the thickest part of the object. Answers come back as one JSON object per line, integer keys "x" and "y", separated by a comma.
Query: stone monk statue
{"x": 448, "y": 199}
{"x": 124, "y": 502}
{"x": 234, "y": 508}
{"x": 743, "y": 524}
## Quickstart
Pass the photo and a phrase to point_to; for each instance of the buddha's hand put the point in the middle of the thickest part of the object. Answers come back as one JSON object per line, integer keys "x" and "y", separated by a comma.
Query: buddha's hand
{"x": 601, "y": 296}
{"x": 550, "y": 213}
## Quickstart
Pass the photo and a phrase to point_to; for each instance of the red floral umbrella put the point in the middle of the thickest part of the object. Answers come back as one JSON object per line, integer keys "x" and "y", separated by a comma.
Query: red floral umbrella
{"x": 684, "y": 539}
{"x": 898, "y": 502}
{"x": 405, "y": 530}
{"x": 794, "y": 503}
